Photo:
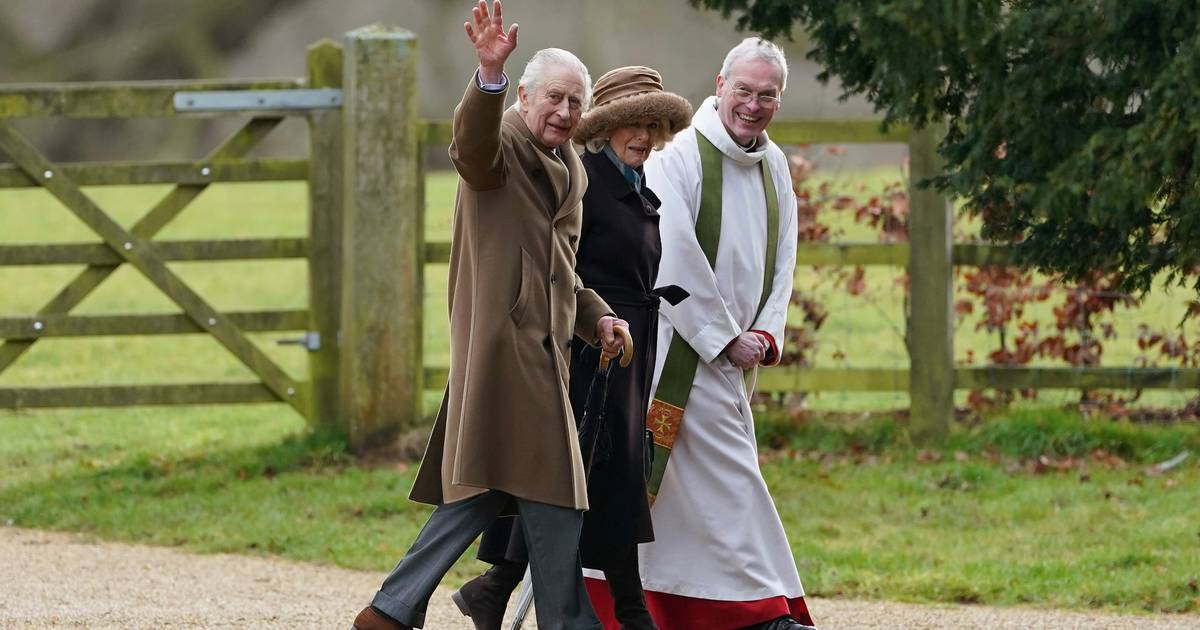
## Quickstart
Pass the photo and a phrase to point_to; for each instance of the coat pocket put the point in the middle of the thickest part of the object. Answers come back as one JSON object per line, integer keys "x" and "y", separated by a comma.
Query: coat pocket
{"x": 517, "y": 311}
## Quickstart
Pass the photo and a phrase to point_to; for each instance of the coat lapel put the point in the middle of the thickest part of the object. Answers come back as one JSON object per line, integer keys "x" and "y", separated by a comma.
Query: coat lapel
{"x": 555, "y": 169}
{"x": 578, "y": 183}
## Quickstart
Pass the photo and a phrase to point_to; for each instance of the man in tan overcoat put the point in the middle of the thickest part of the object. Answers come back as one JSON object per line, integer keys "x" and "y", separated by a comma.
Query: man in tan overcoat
{"x": 505, "y": 438}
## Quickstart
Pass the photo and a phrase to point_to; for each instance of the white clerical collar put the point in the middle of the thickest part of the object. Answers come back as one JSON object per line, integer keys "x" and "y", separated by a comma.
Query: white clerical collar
{"x": 708, "y": 122}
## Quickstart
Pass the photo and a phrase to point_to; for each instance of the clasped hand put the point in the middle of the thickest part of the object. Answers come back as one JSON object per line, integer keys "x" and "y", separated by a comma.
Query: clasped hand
{"x": 747, "y": 350}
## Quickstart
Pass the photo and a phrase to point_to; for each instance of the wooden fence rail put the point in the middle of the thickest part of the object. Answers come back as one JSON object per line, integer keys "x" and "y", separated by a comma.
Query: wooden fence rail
{"x": 366, "y": 251}
{"x": 171, "y": 251}
{"x": 39, "y": 327}
{"x": 792, "y": 379}
{"x": 136, "y": 173}
{"x": 135, "y": 99}
{"x": 136, "y": 395}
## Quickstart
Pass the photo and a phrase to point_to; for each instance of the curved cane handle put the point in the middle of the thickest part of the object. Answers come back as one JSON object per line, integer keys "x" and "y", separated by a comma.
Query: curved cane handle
{"x": 626, "y": 353}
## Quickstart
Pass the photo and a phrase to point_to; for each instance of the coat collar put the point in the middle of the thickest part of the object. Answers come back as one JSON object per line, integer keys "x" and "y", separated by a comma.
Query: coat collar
{"x": 708, "y": 122}
{"x": 576, "y": 180}
{"x": 606, "y": 177}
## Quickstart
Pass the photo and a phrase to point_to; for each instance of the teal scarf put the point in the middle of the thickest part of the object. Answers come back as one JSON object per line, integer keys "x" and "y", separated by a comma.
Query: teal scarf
{"x": 631, "y": 175}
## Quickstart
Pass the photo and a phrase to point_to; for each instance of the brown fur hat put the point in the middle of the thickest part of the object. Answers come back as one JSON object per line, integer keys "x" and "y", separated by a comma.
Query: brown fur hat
{"x": 623, "y": 96}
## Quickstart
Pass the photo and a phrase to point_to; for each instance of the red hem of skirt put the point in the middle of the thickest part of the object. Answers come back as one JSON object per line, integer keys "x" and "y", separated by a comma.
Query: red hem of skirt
{"x": 678, "y": 612}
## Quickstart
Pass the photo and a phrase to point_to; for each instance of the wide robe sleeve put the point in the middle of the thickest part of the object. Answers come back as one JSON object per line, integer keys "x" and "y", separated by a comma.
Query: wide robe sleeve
{"x": 702, "y": 320}
{"x": 773, "y": 318}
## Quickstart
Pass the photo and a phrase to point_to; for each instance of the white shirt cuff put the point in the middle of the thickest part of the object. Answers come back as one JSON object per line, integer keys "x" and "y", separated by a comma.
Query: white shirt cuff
{"x": 492, "y": 87}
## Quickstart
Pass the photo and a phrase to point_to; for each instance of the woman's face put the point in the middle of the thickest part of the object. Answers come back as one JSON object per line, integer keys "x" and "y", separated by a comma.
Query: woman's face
{"x": 633, "y": 143}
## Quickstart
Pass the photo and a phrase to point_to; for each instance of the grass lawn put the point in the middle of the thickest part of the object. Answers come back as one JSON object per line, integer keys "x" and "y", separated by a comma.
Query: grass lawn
{"x": 868, "y": 516}
{"x": 976, "y": 522}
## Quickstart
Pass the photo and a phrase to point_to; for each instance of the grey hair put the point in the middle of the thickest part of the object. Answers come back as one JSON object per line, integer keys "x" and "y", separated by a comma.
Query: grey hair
{"x": 596, "y": 145}
{"x": 547, "y": 58}
{"x": 756, "y": 48}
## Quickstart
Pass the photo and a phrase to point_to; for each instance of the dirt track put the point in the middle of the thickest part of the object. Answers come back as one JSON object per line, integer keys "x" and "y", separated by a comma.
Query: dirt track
{"x": 52, "y": 580}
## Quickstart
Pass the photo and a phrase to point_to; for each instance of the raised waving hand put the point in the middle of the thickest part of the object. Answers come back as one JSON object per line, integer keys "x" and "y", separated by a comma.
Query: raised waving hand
{"x": 492, "y": 44}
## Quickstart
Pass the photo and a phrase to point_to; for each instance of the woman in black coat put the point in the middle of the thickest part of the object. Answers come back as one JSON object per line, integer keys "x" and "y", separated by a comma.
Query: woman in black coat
{"x": 618, "y": 255}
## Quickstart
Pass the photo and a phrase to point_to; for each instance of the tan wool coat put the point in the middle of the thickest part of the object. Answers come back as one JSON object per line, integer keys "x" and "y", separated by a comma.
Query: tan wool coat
{"x": 515, "y": 303}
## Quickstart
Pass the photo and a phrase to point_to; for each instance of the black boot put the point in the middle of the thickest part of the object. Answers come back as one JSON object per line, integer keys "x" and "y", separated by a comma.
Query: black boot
{"x": 629, "y": 601}
{"x": 484, "y": 598}
{"x": 783, "y": 623}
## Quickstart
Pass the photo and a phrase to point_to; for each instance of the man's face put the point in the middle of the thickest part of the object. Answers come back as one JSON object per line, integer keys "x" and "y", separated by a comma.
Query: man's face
{"x": 552, "y": 112}
{"x": 744, "y": 115}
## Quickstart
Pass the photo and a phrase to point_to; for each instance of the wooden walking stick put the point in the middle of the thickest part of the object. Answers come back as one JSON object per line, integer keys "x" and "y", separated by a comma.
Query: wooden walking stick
{"x": 591, "y": 427}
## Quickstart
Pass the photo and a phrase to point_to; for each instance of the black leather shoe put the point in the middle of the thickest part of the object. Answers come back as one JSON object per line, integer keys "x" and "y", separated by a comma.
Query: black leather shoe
{"x": 784, "y": 623}
{"x": 484, "y": 598}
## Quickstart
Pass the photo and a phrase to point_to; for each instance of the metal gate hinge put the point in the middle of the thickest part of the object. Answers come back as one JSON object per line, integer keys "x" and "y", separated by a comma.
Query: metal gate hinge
{"x": 311, "y": 341}
{"x": 251, "y": 100}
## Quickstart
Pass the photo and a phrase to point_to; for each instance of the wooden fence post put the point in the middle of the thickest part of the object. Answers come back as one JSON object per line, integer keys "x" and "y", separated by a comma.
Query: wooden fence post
{"x": 931, "y": 280}
{"x": 382, "y": 283}
{"x": 325, "y": 240}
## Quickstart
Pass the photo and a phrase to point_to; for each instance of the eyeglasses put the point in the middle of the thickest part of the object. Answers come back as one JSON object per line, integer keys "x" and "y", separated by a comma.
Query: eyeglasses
{"x": 765, "y": 101}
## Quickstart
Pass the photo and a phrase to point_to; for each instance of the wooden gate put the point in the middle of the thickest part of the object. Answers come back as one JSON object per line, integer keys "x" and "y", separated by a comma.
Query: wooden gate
{"x": 364, "y": 248}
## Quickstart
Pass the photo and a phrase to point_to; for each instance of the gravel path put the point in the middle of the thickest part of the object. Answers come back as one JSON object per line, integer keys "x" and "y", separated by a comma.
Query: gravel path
{"x": 54, "y": 580}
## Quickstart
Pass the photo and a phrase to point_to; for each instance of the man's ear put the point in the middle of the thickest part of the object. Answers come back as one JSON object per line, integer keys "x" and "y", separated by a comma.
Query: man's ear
{"x": 521, "y": 98}
{"x": 720, "y": 82}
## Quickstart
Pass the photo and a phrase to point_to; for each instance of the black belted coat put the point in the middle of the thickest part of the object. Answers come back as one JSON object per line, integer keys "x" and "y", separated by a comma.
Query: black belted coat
{"x": 618, "y": 255}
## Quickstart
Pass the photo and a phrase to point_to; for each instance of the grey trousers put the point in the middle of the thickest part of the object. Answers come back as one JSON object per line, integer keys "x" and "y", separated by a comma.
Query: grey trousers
{"x": 551, "y": 533}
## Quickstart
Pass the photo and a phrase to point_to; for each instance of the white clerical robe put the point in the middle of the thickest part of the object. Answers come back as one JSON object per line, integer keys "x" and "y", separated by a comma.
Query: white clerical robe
{"x": 718, "y": 534}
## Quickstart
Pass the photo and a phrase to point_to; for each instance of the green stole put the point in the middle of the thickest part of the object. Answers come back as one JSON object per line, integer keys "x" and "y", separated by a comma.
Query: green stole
{"x": 679, "y": 368}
